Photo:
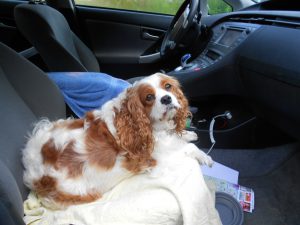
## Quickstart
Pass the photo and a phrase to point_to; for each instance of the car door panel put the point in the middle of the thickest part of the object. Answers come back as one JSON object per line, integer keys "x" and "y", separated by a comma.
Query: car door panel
{"x": 120, "y": 43}
{"x": 124, "y": 41}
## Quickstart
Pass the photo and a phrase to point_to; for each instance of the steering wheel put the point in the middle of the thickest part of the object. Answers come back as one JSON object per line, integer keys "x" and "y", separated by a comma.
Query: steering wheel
{"x": 180, "y": 25}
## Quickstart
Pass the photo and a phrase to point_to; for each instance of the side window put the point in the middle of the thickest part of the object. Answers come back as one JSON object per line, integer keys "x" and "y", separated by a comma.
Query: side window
{"x": 218, "y": 6}
{"x": 154, "y": 6}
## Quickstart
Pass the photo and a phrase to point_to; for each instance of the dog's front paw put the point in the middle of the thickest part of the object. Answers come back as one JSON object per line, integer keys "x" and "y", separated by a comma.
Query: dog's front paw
{"x": 190, "y": 136}
{"x": 200, "y": 156}
{"x": 207, "y": 160}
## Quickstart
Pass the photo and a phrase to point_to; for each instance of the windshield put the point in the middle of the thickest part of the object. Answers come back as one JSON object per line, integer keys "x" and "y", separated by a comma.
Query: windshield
{"x": 258, "y": 1}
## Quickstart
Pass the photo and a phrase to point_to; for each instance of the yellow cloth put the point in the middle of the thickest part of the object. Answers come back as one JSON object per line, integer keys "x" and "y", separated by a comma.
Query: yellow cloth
{"x": 176, "y": 197}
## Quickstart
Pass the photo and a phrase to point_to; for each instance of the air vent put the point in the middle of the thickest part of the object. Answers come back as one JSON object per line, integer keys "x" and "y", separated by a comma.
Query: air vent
{"x": 275, "y": 21}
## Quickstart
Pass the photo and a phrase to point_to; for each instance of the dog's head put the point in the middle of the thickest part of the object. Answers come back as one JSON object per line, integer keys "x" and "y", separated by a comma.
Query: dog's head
{"x": 153, "y": 103}
{"x": 163, "y": 101}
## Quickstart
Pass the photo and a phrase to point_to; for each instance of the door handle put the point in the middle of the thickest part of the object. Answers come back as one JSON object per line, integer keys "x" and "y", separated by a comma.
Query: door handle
{"x": 148, "y": 36}
{"x": 3, "y": 25}
{"x": 152, "y": 34}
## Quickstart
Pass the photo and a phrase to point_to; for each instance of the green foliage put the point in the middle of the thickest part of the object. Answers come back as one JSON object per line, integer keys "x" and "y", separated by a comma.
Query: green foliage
{"x": 218, "y": 6}
{"x": 156, "y": 6}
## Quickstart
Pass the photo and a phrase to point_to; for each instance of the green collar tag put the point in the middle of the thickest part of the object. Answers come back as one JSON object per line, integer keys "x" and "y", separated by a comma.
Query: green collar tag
{"x": 188, "y": 122}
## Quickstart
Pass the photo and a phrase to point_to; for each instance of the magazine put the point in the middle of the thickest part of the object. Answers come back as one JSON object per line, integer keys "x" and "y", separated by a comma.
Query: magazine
{"x": 244, "y": 195}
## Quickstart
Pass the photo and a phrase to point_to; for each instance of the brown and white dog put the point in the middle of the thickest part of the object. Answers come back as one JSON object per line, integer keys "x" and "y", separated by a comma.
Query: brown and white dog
{"x": 75, "y": 161}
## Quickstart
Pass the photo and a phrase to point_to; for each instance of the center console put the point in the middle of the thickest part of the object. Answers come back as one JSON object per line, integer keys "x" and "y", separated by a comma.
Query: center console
{"x": 226, "y": 37}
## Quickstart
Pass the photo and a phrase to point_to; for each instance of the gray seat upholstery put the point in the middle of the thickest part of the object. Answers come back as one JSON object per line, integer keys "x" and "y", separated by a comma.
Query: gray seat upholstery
{"x": 26, "y": 94}
{"x": 49, "y": 32}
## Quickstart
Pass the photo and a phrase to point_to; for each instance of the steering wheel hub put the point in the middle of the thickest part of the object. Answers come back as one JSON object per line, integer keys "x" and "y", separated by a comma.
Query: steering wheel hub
{"x": 180, "y": 25}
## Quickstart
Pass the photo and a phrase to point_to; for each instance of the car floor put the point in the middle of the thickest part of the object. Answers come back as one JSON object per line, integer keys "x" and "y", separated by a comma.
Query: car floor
{"x": 274, "y": 175}
{"x": 277, "y": 195}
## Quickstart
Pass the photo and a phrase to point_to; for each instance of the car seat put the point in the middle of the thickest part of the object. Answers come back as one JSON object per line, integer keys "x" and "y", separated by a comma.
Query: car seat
{"x": 49, "y": 32}
{"x": 26, "y": 94}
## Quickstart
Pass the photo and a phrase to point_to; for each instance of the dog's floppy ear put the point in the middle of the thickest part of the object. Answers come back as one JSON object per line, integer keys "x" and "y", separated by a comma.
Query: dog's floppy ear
{"x": 183, "y": 112}
{"x": 134, "y": 132}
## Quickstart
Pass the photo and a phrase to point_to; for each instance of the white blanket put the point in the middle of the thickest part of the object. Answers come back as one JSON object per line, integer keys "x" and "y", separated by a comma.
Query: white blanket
{"x": 179, "y": 195}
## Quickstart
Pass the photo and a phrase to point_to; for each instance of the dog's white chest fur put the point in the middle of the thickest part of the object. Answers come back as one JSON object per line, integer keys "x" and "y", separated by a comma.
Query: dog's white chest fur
{"x": 170, "y": 149}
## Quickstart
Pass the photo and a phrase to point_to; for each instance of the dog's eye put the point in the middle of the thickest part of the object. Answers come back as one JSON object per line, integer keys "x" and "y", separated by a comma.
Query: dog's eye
{"x": 168, "y": 86}
{"x": 150, "y": 97}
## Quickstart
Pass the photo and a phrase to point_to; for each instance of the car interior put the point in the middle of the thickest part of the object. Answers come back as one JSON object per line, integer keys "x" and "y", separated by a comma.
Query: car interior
{"x": 48, "y": 31}
{"x": 245, "y": 61}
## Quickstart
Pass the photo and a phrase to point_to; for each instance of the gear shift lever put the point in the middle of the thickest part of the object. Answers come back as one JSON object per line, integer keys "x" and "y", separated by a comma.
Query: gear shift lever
{"x": 183, "y": 62}
{"x": 184, "y": 59}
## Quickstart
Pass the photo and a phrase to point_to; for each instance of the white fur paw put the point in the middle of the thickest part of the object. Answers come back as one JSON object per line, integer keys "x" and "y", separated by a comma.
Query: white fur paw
{"x": 207, "y": 160}
{"x": 201, "y": 157}
{"x": 190, "y": 136}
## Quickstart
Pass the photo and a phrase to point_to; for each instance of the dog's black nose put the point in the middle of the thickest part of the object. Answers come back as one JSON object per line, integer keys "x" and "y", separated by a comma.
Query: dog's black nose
{"x": 166, "y": 100}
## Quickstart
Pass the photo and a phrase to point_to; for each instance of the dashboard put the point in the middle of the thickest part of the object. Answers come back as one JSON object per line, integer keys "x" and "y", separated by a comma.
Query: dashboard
{"x": 226, "y": 37}
{"x": 253, "y": 54}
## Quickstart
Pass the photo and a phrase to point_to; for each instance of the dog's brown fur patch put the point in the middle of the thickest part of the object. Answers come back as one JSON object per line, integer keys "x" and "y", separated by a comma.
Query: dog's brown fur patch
{"x": 65, "y": 158}
{"x": 76, "y": 124}
{"x": 102, "y": 149}
{"x": 47, "y": 187}
{"x": 138, "y": 165}
{"x": 72, "y": 160}
{"x": 49, "y": 153}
